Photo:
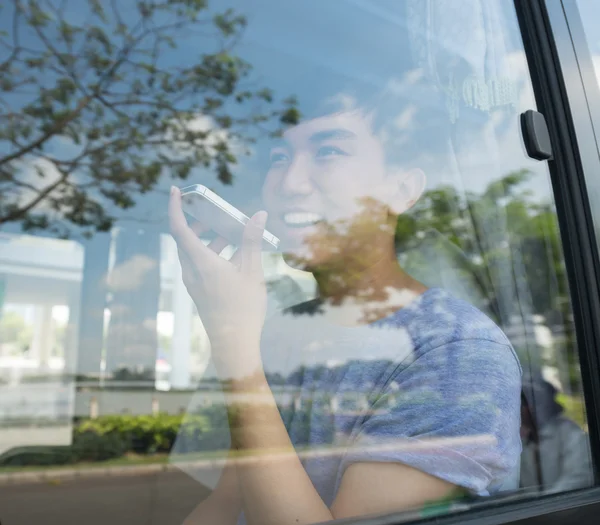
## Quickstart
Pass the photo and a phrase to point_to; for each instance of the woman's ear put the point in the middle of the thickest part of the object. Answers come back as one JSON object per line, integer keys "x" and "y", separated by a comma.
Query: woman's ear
{"x": 407, "y": 187}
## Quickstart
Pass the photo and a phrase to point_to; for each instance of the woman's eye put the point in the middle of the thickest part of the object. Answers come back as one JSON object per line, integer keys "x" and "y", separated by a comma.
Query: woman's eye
{"x": 330, "y": 151}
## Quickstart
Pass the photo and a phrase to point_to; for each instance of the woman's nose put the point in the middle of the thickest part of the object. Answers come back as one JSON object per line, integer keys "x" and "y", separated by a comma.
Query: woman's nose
{"x": 297, "y": 178}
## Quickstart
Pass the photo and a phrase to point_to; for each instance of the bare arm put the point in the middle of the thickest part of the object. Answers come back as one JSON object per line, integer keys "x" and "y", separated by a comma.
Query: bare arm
{"x": 276, "y": 489}
{"x": 223, "y": 506}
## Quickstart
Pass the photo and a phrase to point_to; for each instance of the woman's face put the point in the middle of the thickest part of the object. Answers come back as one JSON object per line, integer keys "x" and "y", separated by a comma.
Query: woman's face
{"x": 325, "y": 189}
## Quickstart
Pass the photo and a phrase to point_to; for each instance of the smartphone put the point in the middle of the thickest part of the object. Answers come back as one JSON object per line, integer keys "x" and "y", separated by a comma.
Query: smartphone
{"x": 217, "y": 214}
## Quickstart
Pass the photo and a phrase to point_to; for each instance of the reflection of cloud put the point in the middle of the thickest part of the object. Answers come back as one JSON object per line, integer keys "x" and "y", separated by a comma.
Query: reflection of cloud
{"x": 490, "y": 152}
{"x": 345, "y": 101}
{"x": 37, "y": 173}
{"x": 516, "y": 64}
{"x": 399, "y": 86}
{"x": 214, "y": 135}
{"x": 130, "y": 274}
{"x": 404, "y": 121}
{"x": 596, "y": 61}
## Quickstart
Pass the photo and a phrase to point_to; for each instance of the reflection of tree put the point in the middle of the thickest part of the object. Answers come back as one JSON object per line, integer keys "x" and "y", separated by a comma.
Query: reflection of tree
{"x": 14, "y": 331}
{"x": 97, "y": 104}
{"x": 523, "y": 228}
{"x": 344, "y": 246}
{"x": 508, "y": 241}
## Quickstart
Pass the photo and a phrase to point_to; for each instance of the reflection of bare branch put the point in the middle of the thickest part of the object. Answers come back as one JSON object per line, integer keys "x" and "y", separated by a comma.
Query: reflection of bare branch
{"x": 23, "y": 210}
{"x": 10, "y": 179}
{"x": 84, "y": 102}
{"x": 116, "y": 13}
{"x": 103, "y": 90}
{"x": 53, "y": 130}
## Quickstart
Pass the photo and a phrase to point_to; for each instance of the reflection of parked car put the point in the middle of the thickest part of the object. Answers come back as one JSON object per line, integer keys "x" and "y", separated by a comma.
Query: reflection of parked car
{"x": 556, "y": 453}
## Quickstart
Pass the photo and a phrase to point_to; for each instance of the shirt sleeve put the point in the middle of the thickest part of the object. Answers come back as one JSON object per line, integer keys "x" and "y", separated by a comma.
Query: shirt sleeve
{"x": 453, "y": 413}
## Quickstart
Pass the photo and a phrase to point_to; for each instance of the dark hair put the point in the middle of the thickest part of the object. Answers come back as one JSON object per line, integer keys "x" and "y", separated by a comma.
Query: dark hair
{"x": 409, "y": 119}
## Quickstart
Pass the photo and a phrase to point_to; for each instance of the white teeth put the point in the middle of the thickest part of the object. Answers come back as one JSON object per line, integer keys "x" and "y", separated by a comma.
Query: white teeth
{"x": 297, "y": 218}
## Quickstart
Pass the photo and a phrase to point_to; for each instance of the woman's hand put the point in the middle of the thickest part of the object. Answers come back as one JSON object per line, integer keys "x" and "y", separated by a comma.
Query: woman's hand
{"x": 230, "y": 296}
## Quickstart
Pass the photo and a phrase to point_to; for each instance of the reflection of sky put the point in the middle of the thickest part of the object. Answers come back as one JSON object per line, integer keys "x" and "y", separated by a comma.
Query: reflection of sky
{"x": 589, "y": 11}
{"x": 315, "y": 50}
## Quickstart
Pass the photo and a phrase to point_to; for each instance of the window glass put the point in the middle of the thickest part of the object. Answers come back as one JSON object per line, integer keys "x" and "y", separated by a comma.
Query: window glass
{"x": 397, "y": 337}
{"x": 589, "y": 12}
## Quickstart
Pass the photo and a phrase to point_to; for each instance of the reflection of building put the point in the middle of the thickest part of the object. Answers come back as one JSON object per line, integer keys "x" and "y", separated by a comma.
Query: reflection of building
{"x": 124, "y": 306}
{"x": 42, "y": 273}
{"x": 100, "y": 283}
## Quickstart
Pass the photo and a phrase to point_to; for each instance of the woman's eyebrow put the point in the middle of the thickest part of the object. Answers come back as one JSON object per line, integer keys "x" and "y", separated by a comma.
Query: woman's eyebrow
{"x": 335, "y": 134}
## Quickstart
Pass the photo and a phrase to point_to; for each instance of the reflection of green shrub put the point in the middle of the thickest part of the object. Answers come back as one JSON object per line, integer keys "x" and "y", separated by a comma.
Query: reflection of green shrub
{"x": 574, "y": 408}
{"x": 146, "y": 434}
{"x": 110, "y": 437}
{"x": 92, "y": 446}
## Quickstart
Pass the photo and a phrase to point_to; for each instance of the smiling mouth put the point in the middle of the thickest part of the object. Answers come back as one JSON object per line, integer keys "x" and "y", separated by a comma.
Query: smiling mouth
{"x": 301, "y": 219}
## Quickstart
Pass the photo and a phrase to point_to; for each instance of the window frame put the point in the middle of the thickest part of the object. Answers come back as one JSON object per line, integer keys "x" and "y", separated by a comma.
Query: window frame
{"x": 560, "y": 96}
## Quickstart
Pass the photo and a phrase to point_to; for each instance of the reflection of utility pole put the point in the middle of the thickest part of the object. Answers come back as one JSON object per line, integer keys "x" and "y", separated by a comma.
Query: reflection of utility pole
{"x": 181, "y": 344}
{"x": 43, "y": 337}
{"x": 71, "y": 335}
{"x": 91, "y": 305}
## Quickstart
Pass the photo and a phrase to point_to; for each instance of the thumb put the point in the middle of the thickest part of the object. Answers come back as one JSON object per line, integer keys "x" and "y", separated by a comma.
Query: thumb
{"x": 259, "y": 219}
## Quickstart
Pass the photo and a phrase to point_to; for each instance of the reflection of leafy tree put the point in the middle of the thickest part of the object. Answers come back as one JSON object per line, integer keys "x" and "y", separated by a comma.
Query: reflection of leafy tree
{"x": 531, "y": 231}
{"x": 275, "y": 379}
{"x": 345, "y": 245}
{"x": 521, "y": 226}
{"x": 60, "y": 338}
{"x": 487, "y": 229}
{"x": 11, "y": 327}
{"x": 126, "y": 374}
{"x": 95, "y": 112}
{"x": 14, "y": 329}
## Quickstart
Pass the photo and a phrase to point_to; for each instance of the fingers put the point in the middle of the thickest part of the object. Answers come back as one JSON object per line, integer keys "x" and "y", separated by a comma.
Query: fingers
{"x": 186, "y": 237}
{"x": 250, "y": 251}
{"x": 248, "y": 257}
{"x": 236, "y": 258}
{"x": 187, "y": 271}
{"x": 218, "y": 245}
{"x": 198, "y": 228}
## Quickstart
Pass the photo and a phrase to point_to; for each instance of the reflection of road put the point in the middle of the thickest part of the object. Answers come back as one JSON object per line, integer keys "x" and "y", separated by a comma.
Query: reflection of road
{"x": 164, "y": 499}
